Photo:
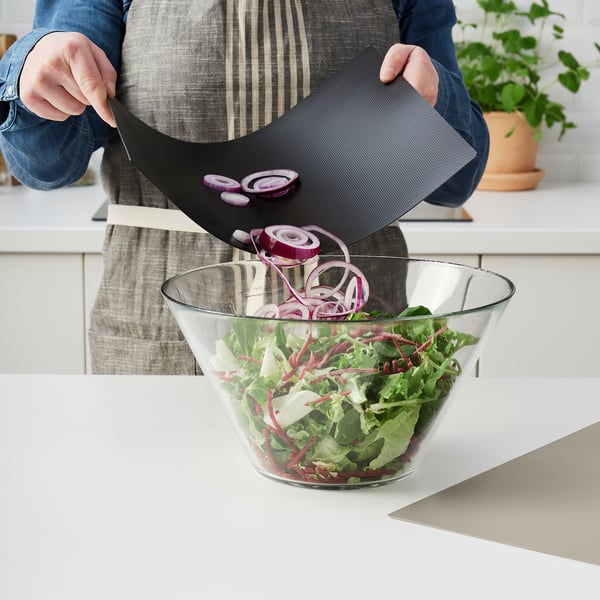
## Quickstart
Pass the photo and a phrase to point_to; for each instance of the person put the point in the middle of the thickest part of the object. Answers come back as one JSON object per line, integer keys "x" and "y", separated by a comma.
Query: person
{"x": 203, "y": 71}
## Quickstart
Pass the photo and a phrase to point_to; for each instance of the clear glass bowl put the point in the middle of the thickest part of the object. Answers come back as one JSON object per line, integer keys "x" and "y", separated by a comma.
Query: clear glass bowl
{"x": 338, "y": 404}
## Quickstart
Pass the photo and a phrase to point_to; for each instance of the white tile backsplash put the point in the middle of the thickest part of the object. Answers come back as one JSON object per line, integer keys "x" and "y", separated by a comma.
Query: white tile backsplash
{"x": 577, "y": 157}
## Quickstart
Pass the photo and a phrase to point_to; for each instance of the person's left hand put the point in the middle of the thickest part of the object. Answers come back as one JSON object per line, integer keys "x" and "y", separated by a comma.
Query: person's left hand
{"x": 414, "y": 64}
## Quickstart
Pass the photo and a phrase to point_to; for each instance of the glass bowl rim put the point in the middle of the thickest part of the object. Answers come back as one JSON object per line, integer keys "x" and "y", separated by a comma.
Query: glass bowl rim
{"x": 436, "y": 315}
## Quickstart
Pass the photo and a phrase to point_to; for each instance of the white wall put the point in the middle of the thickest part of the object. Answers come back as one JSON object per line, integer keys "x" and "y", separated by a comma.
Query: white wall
{"x": 16, "y": 16}
{"x": 576, "y": 157}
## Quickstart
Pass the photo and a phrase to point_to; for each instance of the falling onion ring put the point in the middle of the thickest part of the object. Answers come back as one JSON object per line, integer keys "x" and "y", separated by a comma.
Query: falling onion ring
{"x": 287, "y": 241}
{"x": 316, "y": 300}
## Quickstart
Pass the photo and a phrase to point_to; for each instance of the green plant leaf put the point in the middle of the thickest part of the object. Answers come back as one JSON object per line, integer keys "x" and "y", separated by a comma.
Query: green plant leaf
{"x": 567, "y": 59}
{"x": 497, "y": 6}
{"x": 570, "y": 80}
{"x": 491, "y": 67}
{"x": 554, "y": 114}
{"x": 487, "y": 97}
{"x": 512, "y": 94}
{"x": 541, "y": 11}
{"x": 558, "y": 32}
{"x": 534, "y": 111}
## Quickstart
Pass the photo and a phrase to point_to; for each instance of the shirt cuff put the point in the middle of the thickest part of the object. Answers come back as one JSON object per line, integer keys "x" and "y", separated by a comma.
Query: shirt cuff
{"x": 10, "y": 71}
{"x": 443, "y": 99}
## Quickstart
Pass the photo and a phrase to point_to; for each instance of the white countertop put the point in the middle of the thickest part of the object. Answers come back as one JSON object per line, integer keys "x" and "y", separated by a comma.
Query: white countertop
{"x": 55, "y": 221}
{"x": 135, "y": 487}
{"x": 556, "y": 218}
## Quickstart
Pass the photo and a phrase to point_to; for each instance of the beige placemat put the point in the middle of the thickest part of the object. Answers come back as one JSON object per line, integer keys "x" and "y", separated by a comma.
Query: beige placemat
{"x": 547, "y": 500}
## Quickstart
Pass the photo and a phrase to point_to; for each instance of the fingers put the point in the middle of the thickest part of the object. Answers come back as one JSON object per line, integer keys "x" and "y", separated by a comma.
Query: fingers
{"x": 63, "y": 74}
{"x": 394, "y": 62}
{"x": 93, "y": 74}
{"x": 414, "y": 64}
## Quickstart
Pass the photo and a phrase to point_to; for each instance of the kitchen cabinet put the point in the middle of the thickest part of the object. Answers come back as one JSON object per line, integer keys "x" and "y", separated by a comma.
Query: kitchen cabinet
{"x": 41, "y": 313}
{"x": 92, "y": 274}
{"x": 49, "y": 255}
{"x": 552, "y": 325}
{"x": 45, "y": 311}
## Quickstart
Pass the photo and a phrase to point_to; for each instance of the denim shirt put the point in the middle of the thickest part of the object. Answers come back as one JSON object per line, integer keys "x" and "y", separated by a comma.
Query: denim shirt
{"x": 45, "y": 154}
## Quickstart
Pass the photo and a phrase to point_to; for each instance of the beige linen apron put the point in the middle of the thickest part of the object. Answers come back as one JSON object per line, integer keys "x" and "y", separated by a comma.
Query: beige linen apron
{"x": 206, "y": 71}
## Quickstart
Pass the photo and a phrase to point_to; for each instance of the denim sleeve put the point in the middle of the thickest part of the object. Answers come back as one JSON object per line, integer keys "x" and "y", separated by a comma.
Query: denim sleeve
{"x": 429, "y": 23}
{"x": 45, "y": 154}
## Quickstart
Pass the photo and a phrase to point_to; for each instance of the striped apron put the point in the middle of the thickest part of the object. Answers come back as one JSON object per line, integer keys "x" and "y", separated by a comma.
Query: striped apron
{"x": 207, "y": 71}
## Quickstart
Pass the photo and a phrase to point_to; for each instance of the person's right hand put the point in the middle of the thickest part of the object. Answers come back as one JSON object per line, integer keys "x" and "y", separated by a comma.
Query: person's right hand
{"x": 63, "y": 74}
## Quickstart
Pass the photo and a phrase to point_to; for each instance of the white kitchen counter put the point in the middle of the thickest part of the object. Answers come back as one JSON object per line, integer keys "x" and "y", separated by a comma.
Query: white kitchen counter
{"x": 557, "y": 218}
{"x": 127, "y": 488}
{"x": 49, "y": 222}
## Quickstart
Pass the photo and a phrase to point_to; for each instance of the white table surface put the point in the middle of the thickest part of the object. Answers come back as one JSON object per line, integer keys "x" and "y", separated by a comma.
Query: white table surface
{"x": 136, "y": 487}
{"x": 556, "y": 218}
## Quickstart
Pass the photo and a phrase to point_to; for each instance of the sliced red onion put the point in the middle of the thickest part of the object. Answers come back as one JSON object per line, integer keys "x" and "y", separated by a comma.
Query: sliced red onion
{"x": 241, "y": 236}
{"x": 331, "y": 310}
{"x": 315, "y": 301}
{"x": 346, "y": 267}
{"x": 279, "y": 260}
{"x": 268, "y": 260}
{"x": 288, "y": 241}
{"x": 354, "y": 293}
{"x": 235, "y": 198}
{"x": 325, "y": 291}
{"x": 269, "y": 311}
{"x": 342, "y": 246}
{"x": 221, "y": 183}
{"x": 272, "y": 183}
{"x": 294, "y": 310}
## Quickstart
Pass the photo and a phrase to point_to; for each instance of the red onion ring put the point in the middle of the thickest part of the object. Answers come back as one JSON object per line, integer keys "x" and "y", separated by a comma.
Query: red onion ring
{"x": 272, "y": 183}
{"x": 288, "y": 241}
{"x": 294, "y": 310}
{"x": 331, "y": 310}
{"x": 346, "y": 266}
{"x": 315, "y": 301}
{"x": 241, "y": 236}
{"x": 268, "y": 311}
{"x": 221, "y": 183}
{"x": 342, "y": 246}
{"x": 354, "y": 293}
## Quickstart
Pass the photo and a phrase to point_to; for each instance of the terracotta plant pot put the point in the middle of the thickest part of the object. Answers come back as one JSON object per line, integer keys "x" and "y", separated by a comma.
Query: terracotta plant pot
{"x": 511, "y": 163}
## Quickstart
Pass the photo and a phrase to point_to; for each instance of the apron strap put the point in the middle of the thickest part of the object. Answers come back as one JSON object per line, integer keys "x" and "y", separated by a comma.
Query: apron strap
{"x": 151, "y": 217}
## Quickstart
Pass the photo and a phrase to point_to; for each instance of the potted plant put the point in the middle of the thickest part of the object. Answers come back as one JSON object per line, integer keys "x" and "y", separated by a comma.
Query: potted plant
{"x": 510, "y": 61}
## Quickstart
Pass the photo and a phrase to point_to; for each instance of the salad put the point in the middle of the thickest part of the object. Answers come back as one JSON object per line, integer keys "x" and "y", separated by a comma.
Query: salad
{"x": 341, "y": 403}
{"x": 325, "y": 391}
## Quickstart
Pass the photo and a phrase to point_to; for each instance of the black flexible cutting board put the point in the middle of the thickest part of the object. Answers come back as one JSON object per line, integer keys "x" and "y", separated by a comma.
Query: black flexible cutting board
{"x": 366, "y": 153}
